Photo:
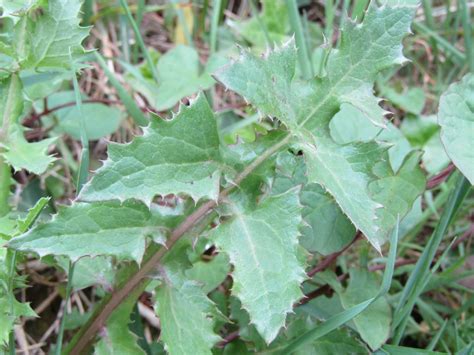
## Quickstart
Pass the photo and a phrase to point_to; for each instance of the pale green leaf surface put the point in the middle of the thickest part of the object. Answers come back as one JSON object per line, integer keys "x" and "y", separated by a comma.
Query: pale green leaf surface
{"x": 55, "y": 36}
{"x": 37, "y": 86}
{"x": 9, "y": 314}
{"x": 115, "y": 336}
{"x": 307, "y": 108}
{"x": 91, "y": 271}
{"x": 21, "y": 154}
{"x": 412, "y": 100}
{"x": 373, "y": 324}
{"x": 15, "y": 8}
{"x": 435, "y": 158}
{"x": 262, "y": 245}
{"x": 100, "y": 120}
{"x": 349, "y": 126}
{"x": 16, "y": 150}
{"x": 456, "y": 118}
{"x": 179, "y": 74}
{"x": 178, "y": 156}
{"x": 325, "y": 229}
{"x": 328, "y": 230}
{"x": 185, "y": 314}
{"x": 274, "y": 16}
{"x": 210, "y": 273}
{"x": 92, "y": 229}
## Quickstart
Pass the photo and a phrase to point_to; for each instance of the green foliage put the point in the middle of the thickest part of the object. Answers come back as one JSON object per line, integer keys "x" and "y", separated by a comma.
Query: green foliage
{"x": 262, "y": 245}
{"x": 179, "y": 156}
{"x": 233, "y": 222}
{"x": 14, "y": 147}
{"x": 92, "y": 229}
{"x": 456, "y": 118}
{"x": 186, "y": 314}
{"x": 346, "y": 171}
{"x": 10, "y": 308}
{"x": 179, "y": 75}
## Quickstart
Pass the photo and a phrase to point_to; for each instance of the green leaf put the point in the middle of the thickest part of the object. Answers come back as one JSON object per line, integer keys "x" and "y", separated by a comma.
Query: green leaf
{"x": 262, "y": 245}
{"x": 307, "y": 108}
{"x": 9, "y": 313}
{"x": 15, "y": 8}
{"x": 373, "y": 324}
{"x": 326, "y": 229}
{"x": 210, "y": 273}
{"x": 411, "y": 100}
{"x": 10, "y": 308}
{"x": 100, "y": 120}
{"x": 21, "y": 154}
{"x": 37, "y": 86}
{"x": 54, "y": 37}
{"x": 340, "y": 341}
{"x": 91, "y": 271}
{"x": 92, "y": 229}
{"x": 16, "y": 150}
{"x": 178, "y": 156}
{"x": 186, "y": 316}
{"x": 115, "y": 336}
{"x": 456, "y": 118}
{"x": 179, "y": 76}
{"x": 274, "y": 17}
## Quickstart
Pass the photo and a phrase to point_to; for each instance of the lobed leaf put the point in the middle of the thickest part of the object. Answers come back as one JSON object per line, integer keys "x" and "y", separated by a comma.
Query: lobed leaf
{"x": 55, "y": 37}
{"x": 92, "y": 229}
{"x": 179, "y": 156}
{"x": 179, "y": 76}
{"x": 186, "y": 317}
{"x": 307, "y": 108}
{"x": 262, "y": 244}
{"x": 16, "y": 150}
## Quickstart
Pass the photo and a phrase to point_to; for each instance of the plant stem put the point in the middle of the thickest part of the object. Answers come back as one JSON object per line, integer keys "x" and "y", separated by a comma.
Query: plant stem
{"x": 86, "y": 335}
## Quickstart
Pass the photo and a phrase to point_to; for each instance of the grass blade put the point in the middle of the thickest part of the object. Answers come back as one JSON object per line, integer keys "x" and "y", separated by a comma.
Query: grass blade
{"x": 216, "y": 15}
{"x": 468, "y": 33}
{"x": 297, "y": 28}
{"x": 328, "y": 326}
{"x": 139, "y": 38}
{"x": 417, "y": 279}
{"x": 127, "y": 100}
{"x": 437, "y": 336}
{"x": 456, "y": 55}
{"x": 343, "y": 317}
